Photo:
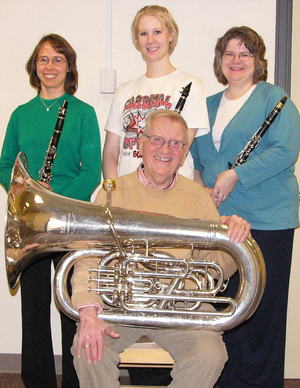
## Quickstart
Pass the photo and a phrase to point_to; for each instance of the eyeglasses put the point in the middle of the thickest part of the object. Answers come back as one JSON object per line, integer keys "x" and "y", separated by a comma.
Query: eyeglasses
{"x": 56, "y": 61}
{"x": 244, "y": 57}
{"x": 175, "y": 145}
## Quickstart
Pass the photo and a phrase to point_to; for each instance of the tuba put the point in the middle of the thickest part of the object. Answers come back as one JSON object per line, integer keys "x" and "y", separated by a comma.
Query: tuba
{"x": 140, "y": 283}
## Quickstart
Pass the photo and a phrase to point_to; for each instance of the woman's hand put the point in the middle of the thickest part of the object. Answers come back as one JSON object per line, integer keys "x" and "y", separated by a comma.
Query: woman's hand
{"x": 90, "y": 334}
{"x": 45, "y": 185}
{"x": 224, "y": 185}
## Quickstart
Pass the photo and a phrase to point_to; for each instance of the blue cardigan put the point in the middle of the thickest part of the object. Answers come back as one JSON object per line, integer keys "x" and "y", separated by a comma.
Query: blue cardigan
{"x": 267, "y": 193}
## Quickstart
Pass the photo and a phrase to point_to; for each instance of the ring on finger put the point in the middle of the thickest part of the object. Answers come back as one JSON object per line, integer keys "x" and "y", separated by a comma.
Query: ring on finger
{"x": 86, "y": 346}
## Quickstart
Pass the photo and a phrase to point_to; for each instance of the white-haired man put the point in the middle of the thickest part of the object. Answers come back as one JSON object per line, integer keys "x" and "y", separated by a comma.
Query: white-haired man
{"x": 199, "y": 355}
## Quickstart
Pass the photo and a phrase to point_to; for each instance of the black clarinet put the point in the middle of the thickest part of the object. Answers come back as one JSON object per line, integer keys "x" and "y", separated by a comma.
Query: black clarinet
{"x": 184, "y": 94}
{"x": 45, "y": 171}
{"x": 256, "y": 138}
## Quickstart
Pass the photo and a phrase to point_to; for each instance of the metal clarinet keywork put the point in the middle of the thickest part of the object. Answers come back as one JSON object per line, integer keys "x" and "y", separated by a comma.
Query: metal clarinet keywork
{"x": 140, "y": 283}
{"x": 184, "y": 95}
{"x": 45, "y": 171}
{"x": 256, "y": 138}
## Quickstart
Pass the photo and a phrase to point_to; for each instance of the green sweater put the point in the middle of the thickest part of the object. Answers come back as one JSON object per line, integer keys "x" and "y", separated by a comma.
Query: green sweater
{"x": 77, "y": 167}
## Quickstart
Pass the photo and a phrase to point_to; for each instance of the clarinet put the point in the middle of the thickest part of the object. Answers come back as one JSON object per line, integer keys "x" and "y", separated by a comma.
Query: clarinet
{"x": 45, "y": 171}
{"x": 184, "y": 94}
{"x": 256, "y": 138}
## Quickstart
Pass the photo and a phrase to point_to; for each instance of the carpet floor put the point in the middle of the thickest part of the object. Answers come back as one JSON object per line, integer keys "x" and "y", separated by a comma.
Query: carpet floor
{"x": 13, "y": 380}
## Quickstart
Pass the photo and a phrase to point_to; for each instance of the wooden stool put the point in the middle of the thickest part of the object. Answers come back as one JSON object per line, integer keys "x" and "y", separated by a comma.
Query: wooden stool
{"x": 143, "y": 354}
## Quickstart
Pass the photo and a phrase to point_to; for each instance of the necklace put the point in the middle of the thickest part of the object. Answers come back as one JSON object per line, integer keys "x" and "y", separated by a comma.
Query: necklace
{"x": 48, "y": 107}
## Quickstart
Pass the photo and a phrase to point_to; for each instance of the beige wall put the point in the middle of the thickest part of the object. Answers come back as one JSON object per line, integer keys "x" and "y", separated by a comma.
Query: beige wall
{"x": 292, "y": 364}
{"x": 84, "y": 24}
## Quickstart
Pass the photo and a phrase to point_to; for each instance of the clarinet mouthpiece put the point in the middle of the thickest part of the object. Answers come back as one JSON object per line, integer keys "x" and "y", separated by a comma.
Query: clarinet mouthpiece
{"x": 186, "y": 90}
{"x": 184, "y": 94}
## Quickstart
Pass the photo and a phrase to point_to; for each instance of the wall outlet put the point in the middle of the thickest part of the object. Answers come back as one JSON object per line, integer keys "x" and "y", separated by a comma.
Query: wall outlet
{"x": 107, "y": 81}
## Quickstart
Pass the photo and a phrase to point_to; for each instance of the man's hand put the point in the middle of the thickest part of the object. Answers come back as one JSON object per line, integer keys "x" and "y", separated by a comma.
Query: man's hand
{"x": 238, "y": 228}
{"x": 90, "y": 334}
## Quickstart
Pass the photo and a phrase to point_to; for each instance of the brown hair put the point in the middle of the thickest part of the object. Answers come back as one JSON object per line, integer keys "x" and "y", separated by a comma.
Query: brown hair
{"x": 60, "y": 45}
{"x": 166, "y": 20}
{"x": 254, "y": 44}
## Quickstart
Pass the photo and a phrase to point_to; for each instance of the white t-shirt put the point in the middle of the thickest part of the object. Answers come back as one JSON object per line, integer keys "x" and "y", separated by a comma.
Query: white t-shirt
{"x": 226, "y": 111}
{"x": 136, "y": 99}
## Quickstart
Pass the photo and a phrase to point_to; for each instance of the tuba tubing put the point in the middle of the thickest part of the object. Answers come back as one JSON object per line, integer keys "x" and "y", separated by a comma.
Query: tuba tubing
{"x": 39, "y": 222}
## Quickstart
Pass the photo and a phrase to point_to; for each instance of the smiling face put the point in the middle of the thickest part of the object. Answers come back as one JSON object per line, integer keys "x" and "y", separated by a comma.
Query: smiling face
{"x": 153, "y": 38}
{"x": 161, "y": 162}
{"x": 52, "y": 77}
{"x": 236, "y": 71}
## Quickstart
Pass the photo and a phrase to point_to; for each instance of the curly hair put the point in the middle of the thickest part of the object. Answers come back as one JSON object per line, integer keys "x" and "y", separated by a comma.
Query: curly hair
{"x": 164, "y": 17}
{"x": 60, "y": 45}
{"x": 254, "y": 44}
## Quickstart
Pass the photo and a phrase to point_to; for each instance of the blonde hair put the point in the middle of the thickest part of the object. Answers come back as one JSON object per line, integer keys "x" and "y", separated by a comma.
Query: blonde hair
{"x": 164, "y": 17}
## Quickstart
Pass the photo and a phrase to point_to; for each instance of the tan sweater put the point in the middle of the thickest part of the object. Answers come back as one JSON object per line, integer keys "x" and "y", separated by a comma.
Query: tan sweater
{"x": 186, "y": 199}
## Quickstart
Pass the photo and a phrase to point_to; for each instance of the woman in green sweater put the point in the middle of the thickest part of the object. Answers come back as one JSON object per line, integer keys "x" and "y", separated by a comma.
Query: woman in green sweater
{"x": 76, "y": 173}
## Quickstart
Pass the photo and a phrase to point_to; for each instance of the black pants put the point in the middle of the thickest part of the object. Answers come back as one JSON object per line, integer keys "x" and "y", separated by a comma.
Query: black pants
{"x": 256, "y": 349}
{"x": 38, "y": 368}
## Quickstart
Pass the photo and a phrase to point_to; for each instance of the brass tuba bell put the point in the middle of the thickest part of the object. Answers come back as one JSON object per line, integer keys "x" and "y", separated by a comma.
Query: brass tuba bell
{"x": 139, "y": 283}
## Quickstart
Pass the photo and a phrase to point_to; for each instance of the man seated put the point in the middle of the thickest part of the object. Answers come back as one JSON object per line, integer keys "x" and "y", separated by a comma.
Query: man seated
{"x": 199, "y": 355}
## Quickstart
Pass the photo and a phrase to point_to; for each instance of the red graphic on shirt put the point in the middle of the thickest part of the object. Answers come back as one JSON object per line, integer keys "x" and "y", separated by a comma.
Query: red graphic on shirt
{"x": 148, "y": 102}
{"x": 136, "y": 111}
{"x": 135, "y": 124}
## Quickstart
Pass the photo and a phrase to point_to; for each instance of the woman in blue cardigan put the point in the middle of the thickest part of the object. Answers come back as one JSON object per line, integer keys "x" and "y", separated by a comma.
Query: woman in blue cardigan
{"x": 264, "y": 191}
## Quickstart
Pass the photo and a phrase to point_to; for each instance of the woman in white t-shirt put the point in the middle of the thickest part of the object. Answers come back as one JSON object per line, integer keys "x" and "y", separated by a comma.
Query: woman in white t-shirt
{"x": 155, "y": 35}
